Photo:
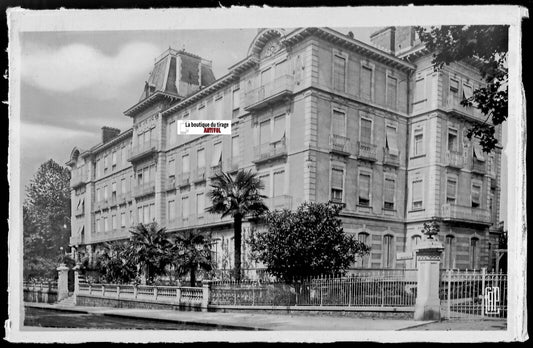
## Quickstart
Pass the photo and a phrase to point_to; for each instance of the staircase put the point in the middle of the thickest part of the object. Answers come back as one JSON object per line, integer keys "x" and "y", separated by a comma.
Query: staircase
{"x": 70, "y": 301}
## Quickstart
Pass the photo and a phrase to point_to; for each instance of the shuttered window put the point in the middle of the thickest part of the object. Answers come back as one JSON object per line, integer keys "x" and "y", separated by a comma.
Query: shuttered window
{"x": 236, "y": 99}
{"x": 392, "y": 91}
{"x": 185, "y": 164}
{"x": 266, "y": 182}
{"x": 279, "y": 183}
{"x": 366, "y": 82}
{"x": 392, "y": 141}
{"x": 419, "y": 90}
{"x": 417, "y": 194}
{"x": 266, "y": 76}
{"x": 476, "y": 193}
{"x": 418, "y": 142}
{"x": 200, "y": 204}
{"x": 279, "y": 128}
{"x": 146, "y": 214}
{"x": 451, "y": 190}
{"x": 235, "y": 151}
{"x": 185, "y": 207}
{"x": 281, "y": 69}
{"x": 264, "y": 132}
{"x": 338, "y": 123}
{"x": 171, "y": 210}
{"x": 388, "y": 251}
{"x": 452, "y": 140}
{"x": 390, "y": 187}
{"x": 217, "y": 155}
{"x": 200, "y": 163}
{"x": 339, "y": 73}
{"x": 364, "y": 189}
{"x": 337, "y": 181}
{"x": 366, "y": 131}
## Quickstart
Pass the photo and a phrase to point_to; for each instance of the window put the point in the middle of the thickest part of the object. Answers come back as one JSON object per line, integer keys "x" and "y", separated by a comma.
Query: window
{"x": 279, "y": 183}
{"x": 264, "y": 132}
{"x": 97, "y": 226}
{"x": 279, "y": 128}
{"x": 280, "y": 69}
{"x": 219, "y": 108}
{"x": 105, "y": 164}
{"x": 454, "y": 86}
{"x": 418, "y": 142}
{"x": 236, "y": 99}
{"x": 172, "y": 132}
{"x": 453, "y": 144}
{"x": 478, "y": 153}
{"x": 448, "y": 252}
{"x": 106, "y": 224}
{"x": 185, "y": 207}
{"x": 474, "y": 252}
{"x": 114, "y": 159}
{"x": 152, "y": 212}
{"x": 388, "y": 251}
{"x": 113, "y": 222}
{"x": 122, "y": 219}
{"x": 98, "y": 195}
{"x": 123, "y": 186}
{"x": 201, "y": 112}
{"x": 339, "y": 73}
{"x": 200, "y": 161}
{"x": 146, "y": 214}
{"x": 131, "y": 218}
{"x": 140, "y": 215}
{"x": 266, "y": 182}
{"x": 467, "y": 91}
{"x": 414, "y": 242}
{"x": 338, "y": 123}
{"x": 217, "y": 155}
{"x": 146, "y": 175}
{"x": 105, "y": 193}
{"x": 114, "y": 191}
{"x": 124, "y": 155}
{"x": 389, "y": 189}
{"x": 366, "y": 131}
{"x": 337, "y": 184}
{"x": 185, "y": 165}
{"x": 417, "y": 194}
{"x": 235, "y": 152}
{"x": 200, "y": 204}
{"x": 363, "y": 238}
{"x": 451, "y": 190}
{"x": 392, "y": 92}
{"x": 476, "y": 193}
{"x": 419, "y": 90}
{"x": 391, "y": 140}
{"x": 171, "y": 210}
{"x": 366, "y": 82}
{"x": 364, "y": 189}
{"x": 266, "y": 76}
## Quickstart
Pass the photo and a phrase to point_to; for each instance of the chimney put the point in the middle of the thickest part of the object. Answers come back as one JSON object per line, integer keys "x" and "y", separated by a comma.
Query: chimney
{"x": 405, "y": 39}
{"x": 109, "y": 133}
{"x": 385, "y": 39}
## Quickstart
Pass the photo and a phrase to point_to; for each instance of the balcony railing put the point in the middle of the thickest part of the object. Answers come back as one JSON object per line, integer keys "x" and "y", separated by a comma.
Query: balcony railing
{"x": 270, "y": 151}
{"x": 367, "y": 151}
{"x": 184, "y": 179}
{"x": 269, "y": 93}
{"x": 453, "y": 104}
{"x": 339, "y": 144}
{"x": 171, "y": 184}
{"x": 479, "y": 167}
{"x": 143, "y": 149}
{"x": 279, "y": 202}
{"x": 453, "y": 212}
{"x": 144, "y": 189}
{"x": 454, "y": 159}
{"x": 390, "y": 159}
{"x": 214, "y": 170}
{"x": 123, "y": 198}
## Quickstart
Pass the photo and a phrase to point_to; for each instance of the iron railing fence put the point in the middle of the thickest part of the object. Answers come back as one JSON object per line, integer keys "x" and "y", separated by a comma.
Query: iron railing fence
{"x": 473, "y": 294}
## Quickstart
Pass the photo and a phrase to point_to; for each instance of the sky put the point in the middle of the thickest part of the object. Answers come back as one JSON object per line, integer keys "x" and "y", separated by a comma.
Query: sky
{"x": 75, "y": 82}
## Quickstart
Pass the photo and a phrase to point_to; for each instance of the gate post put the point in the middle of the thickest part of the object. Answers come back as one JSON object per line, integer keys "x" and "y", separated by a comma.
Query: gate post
{"x": 62, "y": 282}
{"x": 427, "y": 306}
{"x": 206, "y": 287}
{"x": 76, "y": 281}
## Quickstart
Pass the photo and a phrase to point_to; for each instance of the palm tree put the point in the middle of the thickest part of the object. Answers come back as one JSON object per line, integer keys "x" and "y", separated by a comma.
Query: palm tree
{"x": 191, "y": 251}
{"x": 237, "y": 196}
{"x": 151, "y": 249}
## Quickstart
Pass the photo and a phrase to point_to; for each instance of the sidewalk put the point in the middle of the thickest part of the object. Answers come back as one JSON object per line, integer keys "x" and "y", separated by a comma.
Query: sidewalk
{"x": 241, "y": 321}
{"x": 468, "y": 325}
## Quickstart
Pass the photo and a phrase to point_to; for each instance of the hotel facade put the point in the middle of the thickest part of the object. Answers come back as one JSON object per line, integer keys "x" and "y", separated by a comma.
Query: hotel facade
{"x": 320, "y": 116}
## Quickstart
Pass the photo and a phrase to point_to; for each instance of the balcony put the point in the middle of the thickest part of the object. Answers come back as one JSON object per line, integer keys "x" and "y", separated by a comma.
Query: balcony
{"x": 144, "y": 190}
{"x": 390, "y": 159}
{"x": 184, "y": 179}
{"x": 200, "y": 174}
{"x": 215, "y": 170}
{"x": 454, "y": 159}
{"x": 279, "y": 202}
{"x": 367, "y": 151}
{"x": 453, "y": 104}
{"x": 123, "y": 198}
{"x": 78, "y": 178}
{"x": 339, "y": 145}
{"x": 272, "y": 92}
{"x": 478, "y": 167}
{"x": 452, "y": 212}
{"x": 270, "y": 151}
{"x": 143, "y": 150}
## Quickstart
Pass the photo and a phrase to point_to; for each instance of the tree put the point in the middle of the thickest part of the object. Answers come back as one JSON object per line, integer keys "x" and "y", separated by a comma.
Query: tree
{"x": 237, "y": 196}
{"x": 307, "y": 242}
{"x": 488, "y": 47}
{"x": 115, "y": 263}
{"x": 191, "y": 251}
{"x": 46, "y": 213}
{"x": 150, "y": 250}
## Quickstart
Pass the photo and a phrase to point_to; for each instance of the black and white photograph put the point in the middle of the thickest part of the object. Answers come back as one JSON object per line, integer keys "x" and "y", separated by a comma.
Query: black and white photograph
{"x": 244, "y": 172}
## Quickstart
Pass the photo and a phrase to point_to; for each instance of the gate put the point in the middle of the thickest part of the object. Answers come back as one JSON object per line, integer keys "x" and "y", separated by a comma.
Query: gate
{"x": 473, "y": 294}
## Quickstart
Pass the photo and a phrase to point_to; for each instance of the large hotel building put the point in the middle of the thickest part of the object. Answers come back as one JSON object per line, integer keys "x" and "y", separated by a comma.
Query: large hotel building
{"x": 320, "y": 116}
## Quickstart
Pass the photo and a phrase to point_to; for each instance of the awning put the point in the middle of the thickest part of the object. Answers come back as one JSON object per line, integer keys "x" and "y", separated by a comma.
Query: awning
{"x": 467, "y": 91}
{"x": 217, "y": 155}
{"x": 392, "y": 142}
{"x": 478, "y": 152}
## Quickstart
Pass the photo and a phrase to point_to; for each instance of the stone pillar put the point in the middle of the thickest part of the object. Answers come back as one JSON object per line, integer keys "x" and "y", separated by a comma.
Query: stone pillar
{"x": 428, "y": 255}
{"x": 62, "y": 282}
{"x": 206, "y": 287}
{"x": 76, "y": 280}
